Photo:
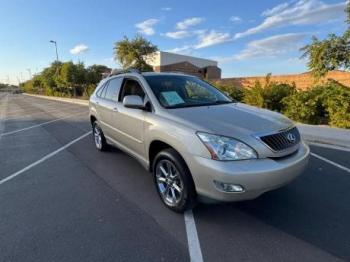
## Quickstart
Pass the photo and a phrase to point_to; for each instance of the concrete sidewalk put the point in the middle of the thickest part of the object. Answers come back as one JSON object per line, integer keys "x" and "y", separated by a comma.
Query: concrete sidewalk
{"x": 311, "y": 133}
{"x": 325, "y": 135}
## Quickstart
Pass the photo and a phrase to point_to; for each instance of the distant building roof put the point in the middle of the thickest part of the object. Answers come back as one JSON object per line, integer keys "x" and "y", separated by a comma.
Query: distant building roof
{"x": 161, "y": 58}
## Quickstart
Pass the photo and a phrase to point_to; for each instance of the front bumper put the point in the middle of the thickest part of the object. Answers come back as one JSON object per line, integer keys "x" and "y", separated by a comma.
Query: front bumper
{"x": 256, "y": 176}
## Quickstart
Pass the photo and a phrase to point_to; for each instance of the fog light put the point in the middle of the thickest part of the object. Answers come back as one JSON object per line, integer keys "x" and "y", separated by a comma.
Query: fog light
{"x": 226, "y": 187}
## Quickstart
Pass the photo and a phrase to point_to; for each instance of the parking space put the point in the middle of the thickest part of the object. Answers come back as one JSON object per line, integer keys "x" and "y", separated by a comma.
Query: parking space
{"x": 79, "y": 204}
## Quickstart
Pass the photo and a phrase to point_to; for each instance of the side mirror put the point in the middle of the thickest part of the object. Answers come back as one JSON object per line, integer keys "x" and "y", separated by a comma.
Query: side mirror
{"x": 133, "y": 101}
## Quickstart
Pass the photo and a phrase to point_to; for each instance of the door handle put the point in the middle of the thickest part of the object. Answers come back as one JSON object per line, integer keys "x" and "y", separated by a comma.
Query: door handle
{"x": 115, "y": 109}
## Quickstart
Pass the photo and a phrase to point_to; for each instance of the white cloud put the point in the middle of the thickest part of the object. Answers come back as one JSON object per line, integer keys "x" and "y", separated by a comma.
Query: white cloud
{"x": 235, "y": 19}
{"x": 303, "y": 12}
{"x": 79, "y": 49}
{"x": 147, "y": 27}
{"x": 178, "y": 34}
{"x": 181, "y": 50}
{"x": 167, "y": 8}
{"x": 189, "y": 22}
{"x": 275, "y": 10}
{"x": 212, "y": 38}
{"x": 271, "y": 46}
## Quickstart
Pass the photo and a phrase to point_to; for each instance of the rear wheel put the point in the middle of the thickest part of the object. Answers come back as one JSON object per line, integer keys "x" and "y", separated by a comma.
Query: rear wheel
{"x": 99, "y": 138}
{"x": 173, "y": 181}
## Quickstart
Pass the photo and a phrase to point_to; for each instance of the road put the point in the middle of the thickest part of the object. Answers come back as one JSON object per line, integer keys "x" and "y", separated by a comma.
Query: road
{"x": 62, "y": 200}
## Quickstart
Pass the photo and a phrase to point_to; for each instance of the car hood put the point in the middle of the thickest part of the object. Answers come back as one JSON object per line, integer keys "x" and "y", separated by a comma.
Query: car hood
{"x": 235, "y": 120}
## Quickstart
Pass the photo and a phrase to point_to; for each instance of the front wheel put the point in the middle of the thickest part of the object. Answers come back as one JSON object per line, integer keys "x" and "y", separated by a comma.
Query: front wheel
{"x": 173, "y": 181}
{"x": 99, "y": 138}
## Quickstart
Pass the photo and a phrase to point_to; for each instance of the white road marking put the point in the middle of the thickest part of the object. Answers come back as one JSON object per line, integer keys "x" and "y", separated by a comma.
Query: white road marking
{"x": 41, "y": 124}
{"x": 42, "y": 159}
{"x": 331, "y": 162}
{"x": 194, "y": 246}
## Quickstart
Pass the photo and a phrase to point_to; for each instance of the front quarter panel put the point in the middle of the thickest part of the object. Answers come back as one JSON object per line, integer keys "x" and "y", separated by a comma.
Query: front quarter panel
{"x": 181, "y": 138}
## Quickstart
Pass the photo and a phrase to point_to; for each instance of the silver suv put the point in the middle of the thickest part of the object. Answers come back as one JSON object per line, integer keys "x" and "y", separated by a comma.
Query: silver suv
{"x": 198, "y": 142}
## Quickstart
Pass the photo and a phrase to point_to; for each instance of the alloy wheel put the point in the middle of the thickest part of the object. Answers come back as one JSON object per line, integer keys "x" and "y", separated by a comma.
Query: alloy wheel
{"x": 169, "y": 182}
{"x": 97, "y": 137}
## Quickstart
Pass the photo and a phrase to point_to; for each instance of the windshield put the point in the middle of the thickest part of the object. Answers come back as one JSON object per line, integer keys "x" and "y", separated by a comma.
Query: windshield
{"x": 176, "y": 91}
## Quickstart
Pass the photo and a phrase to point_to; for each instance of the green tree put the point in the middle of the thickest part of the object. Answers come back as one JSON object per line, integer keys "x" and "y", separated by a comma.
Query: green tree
{"x": 131, "y": 53}
{"x": 329, "y": 54}
{"x": 94, "y": 73}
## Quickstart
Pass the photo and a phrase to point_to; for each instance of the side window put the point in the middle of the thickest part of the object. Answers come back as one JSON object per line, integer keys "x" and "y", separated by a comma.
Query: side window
{"x": 103, "y": 92}
{"x": 131, "y": 87}
{"x": 100, "y": 90}
{"x": 113, "y": 89}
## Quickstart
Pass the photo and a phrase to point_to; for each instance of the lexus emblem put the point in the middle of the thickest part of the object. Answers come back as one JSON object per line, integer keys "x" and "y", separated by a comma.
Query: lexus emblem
{"x": 291, "y": 137}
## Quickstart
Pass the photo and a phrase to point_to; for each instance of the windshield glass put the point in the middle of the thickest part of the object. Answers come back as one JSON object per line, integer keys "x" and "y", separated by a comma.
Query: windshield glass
{"x": 176, "y": 91}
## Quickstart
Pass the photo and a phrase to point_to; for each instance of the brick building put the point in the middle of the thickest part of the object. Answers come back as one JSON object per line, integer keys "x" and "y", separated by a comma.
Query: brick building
{"x": 170, "y": 62}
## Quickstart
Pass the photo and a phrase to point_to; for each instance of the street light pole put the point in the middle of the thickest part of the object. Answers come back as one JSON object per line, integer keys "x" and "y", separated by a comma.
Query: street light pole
{"x": 54, "y": 42}
{"x": 29, "y": 72}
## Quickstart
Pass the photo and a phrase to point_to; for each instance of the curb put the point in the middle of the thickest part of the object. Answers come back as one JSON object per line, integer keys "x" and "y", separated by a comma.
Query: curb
{"x": 62, "y": 99}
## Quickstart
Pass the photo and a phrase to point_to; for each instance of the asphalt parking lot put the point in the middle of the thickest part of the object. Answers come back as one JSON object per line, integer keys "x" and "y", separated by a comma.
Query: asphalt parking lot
{"x": 62, "y": 200}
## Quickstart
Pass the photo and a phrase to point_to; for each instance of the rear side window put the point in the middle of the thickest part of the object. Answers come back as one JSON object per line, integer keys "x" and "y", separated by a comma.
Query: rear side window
{"x": 101, "y": 89}
{"x": 112, "y": 91}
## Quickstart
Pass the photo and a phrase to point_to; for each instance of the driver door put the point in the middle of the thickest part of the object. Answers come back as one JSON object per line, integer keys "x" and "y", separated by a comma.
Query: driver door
{"x": 128, "y": 121}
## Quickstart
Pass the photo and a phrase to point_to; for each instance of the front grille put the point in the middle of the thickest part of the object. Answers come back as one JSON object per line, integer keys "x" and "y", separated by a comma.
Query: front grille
{"x": 282, "y": 140}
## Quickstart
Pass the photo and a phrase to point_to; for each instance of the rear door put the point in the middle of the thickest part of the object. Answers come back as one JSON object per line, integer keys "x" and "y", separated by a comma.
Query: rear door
{"x": 108, "y": 104}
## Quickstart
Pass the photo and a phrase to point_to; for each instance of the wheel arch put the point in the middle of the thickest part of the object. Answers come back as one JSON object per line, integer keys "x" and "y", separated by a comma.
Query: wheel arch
{"x": 157, "y": 146}
{"x": 92, "y": 119}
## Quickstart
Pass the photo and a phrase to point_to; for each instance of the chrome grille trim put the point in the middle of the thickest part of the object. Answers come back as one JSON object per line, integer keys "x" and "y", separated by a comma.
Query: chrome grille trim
{"x": 281, "y": 140}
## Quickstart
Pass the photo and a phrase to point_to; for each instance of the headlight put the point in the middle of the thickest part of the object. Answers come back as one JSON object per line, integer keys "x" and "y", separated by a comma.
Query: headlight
{"x": 226, "y": 148}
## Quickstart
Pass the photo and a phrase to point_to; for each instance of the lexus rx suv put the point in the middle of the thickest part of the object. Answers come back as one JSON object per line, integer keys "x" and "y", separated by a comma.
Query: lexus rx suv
{"x": 198, "y": 143}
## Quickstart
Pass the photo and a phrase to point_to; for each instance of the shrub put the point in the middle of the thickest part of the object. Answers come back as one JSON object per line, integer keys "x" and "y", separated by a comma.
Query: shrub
{"x": 235, "y": 92}
{"x": 322, "y": 104}
{"x": 270, "y": 95}
{"x": 336, "y": 99}
{"x": 305, "y": 106}
{"x": 254, "y": 95}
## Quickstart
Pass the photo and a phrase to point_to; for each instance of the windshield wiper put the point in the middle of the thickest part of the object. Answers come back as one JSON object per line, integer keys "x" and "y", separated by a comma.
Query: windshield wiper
{"x": 200, "y": 104}
{"x": 222, "y": 102}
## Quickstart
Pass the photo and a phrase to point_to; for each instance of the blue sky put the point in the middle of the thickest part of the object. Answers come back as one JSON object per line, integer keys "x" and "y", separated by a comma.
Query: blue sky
{"x": 246, "y": 37}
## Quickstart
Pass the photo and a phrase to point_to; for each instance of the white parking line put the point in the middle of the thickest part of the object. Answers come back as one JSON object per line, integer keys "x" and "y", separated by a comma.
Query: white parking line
{"x": 35, "y": 114}
{"x": 42, "y": 159}
{"x": 194, "y": 246}
{"x": 331, "y": 162}
{"x": 41, "y": 124}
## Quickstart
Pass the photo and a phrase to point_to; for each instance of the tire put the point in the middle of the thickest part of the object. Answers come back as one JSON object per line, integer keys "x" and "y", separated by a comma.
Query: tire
{"x": 99, "y": 138}
{"x": 175, "y": 187}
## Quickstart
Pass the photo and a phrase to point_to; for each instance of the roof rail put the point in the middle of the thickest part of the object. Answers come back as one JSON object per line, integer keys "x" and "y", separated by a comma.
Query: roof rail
{"x": 176, "y": 72}
{"x": 124, "y": 71}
